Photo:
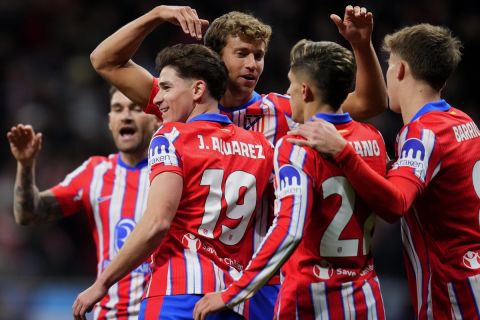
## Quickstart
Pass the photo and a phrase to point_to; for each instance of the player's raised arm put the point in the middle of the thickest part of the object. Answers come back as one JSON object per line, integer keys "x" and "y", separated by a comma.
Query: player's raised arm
{"x": 370, "y": 96}
{"x": 112, "y": 58}
{"x": 29, "y": 204}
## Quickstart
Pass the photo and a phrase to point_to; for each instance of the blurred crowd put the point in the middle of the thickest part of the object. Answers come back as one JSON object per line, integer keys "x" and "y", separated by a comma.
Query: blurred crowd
{"x": 46, "y": 80}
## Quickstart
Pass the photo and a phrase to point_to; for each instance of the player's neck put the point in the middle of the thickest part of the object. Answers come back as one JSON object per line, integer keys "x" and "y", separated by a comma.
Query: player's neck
{"x": 208, "y": 105}
{"x": 415, "y": 98}
{"x": 233, "y": 99}
{"x": 133, "y": 158}
{"x": 313, "y": 108}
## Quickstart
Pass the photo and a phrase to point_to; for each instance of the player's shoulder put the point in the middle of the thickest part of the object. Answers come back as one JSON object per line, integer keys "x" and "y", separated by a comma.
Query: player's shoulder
{"x": 95, "y": 160}
{"x": 277, "y": 100}
{"x": 368, "y": 130}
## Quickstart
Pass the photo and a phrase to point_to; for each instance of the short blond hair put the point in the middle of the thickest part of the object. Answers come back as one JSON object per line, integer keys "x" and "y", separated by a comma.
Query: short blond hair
{"x": 432, "y": 52}
{"x": 236, "y": 24}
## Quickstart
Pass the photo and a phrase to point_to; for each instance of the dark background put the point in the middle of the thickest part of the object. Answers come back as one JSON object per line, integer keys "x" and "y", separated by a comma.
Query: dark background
{"x": 46, "y": 80}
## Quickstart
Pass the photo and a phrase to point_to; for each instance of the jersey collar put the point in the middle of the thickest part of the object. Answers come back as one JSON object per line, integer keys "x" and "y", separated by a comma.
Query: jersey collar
{"x": 138, "y": 166}
{"x": 215, "y": 117}
{"x": 334, "y": 118}
{"x": 441, "y": 105}
{"x": 255, "y": 97}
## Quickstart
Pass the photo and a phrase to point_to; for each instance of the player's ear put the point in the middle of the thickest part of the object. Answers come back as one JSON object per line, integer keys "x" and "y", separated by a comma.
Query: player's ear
{"x": 402, "y": 70}
{"x": 307, "y": 92}
{"x": 199, "y": 88}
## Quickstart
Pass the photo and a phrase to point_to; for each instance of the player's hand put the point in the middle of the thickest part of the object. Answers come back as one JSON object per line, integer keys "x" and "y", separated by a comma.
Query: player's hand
{"x": 87, "y": 299}
{"x": 25, "y": 144}
{"x": 320, "y": 135}
{"x": 185, "y": 17}
{"x": 356, "y": 26}
{"x": 211, "y": 302}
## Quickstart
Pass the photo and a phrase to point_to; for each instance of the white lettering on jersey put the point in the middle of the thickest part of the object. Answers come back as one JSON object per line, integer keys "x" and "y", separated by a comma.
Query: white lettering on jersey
{"x": 466, "y": 131}
{"x": 366, "y": 148}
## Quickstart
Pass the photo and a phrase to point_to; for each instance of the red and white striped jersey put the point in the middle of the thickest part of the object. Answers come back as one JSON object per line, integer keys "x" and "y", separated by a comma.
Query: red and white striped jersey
{"x": 113, "y": 196}
{"x": 321, "y": 234}
{"x": 225, "y": 170}
{"x": 439, "y": 151}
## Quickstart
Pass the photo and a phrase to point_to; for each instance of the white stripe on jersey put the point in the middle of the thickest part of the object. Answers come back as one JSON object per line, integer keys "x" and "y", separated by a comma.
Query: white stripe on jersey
{"x": 95, "y": 191}
{"x": 239, "y": 308}
{"x": 347, "y": 300}
{"x": 194, "y": 272}
{"x": 116, "y": 203}
{"x": 143, "y": 185}
{"x": 219, "y": 278}
{"x": 136, "y": 293}
{"x": 168, "y": 290}
{"x": 456, "y": 313}
{"x": 414, "y": 260}
{"x": 319, "y": 299}
{"x": 474, "y": 282}
{"x": 112, "y": 302}
{"x": 370, "y": 301}
{"x": 68, "y": 179}
{"x": 293, "y": 235}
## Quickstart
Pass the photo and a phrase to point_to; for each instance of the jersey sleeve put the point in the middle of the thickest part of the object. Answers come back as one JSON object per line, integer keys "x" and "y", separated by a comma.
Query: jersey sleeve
{"x": 419, "y": 154}
{"x": 163, "y": 155}
{"x": 294, "y": 191}
{"x": 390, "y": 198}
{"x": 151, "y": 108}
{"x": 282, "y": 102}
{"x": 71, "y": 191}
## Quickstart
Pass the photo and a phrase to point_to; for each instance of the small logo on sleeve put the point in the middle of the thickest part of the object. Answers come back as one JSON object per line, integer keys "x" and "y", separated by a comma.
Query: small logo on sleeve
{"x": 290, "y": 181}
{"x": 413, "y": 155}
{"x": 162, "y": 150}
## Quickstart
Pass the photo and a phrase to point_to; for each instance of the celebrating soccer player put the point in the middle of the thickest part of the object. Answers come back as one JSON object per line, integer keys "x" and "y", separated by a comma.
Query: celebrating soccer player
{"x": 322, "y": 231}
{"x": 434, "y": 185}
{"x": 110, "y": 190}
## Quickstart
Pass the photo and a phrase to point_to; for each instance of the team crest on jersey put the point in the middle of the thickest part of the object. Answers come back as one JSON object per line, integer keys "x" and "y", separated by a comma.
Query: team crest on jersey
{"x": 323, "y": 270}
{"x": 122, "y": 230}
{"x": 250, "y": 120}
{"x": 191, "y": 242}
{"x": 289, "y": 181}
{"x": 471, "y": 260}
{"x": 162, "y": 150}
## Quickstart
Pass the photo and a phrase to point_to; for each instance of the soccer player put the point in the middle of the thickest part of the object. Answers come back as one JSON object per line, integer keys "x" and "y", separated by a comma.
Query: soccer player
{"x": 242, "y": 40}
{"x": 434, "y": 185}
{"x": 322, "y": 232}
{"x": 110, "y": 190}
{"x": 206, "y": 180}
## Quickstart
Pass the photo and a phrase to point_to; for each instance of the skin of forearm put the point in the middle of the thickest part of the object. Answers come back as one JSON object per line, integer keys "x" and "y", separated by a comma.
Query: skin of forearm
{"x": 26, "y": 195}
{"x": 143, "y": 240}
{"x": 370, "y": 84}
{"x": 119, "y": 48}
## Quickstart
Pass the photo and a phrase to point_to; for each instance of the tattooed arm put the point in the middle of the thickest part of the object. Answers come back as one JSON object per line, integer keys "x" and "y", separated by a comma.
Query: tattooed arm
{"x": 30, "y": 205}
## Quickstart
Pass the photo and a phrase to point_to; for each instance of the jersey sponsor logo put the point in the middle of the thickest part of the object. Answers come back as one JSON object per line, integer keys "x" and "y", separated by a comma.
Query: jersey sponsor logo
{"x": 191, "y": 242}
{"x": 290, "y": 181}
{"x": 413, "y": 155}
{"x": 162, "y": 150}
{"x": 471, "y": 260}
{"x": 122, "y": 230}
{"x": 323, "y": 270}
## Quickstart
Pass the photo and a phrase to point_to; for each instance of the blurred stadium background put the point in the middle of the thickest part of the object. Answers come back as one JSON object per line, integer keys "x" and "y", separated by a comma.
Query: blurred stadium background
{"x": 46, "y": 80}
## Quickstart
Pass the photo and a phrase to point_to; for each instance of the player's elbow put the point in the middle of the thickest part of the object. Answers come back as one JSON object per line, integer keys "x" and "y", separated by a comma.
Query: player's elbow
{"x": 99, "y": 61}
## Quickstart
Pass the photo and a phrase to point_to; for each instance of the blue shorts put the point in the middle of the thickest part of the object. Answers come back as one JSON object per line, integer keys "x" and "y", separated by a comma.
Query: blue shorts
{"x": 262, "y": 304}
{"x": 178, "y": 307}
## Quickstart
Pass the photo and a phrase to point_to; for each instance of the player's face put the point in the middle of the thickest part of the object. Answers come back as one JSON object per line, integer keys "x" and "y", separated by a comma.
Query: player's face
{"x": 175, "y": 97}
{"x": 392, "y": 82}
{"x": 131, "y": 128}
{"x": 244, "y": 61}
{"x": 296, "y": 97}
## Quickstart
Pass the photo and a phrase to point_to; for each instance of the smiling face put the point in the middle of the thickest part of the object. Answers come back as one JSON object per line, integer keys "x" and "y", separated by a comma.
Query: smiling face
{"x": 131, "y": 128}
{"x": 245, "y": 62}
{"x": 175, "y": 98}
